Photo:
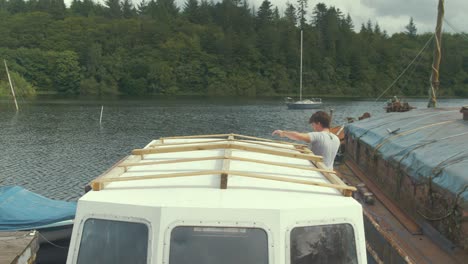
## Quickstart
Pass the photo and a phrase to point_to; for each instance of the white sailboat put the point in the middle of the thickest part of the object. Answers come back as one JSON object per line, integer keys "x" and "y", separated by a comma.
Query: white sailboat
{"x": 307, "y": 103}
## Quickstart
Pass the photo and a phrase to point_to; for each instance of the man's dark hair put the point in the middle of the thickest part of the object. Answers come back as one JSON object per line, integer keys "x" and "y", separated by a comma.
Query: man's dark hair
{"x": 320, "y": 117}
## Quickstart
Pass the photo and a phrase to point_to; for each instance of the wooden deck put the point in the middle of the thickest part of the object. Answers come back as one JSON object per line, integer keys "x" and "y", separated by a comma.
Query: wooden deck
{"x": 18, "y": 247}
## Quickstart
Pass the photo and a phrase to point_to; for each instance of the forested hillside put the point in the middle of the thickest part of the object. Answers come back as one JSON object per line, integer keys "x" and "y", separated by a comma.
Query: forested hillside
{"x": 214, "y": 48}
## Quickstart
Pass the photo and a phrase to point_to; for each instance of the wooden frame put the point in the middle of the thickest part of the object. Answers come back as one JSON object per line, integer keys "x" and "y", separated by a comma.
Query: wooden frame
{"x": 127, "y": 165}
{"x": 227, "y": 142}
{"x": 97, "y": 184}
{"x": 290, "y": 154}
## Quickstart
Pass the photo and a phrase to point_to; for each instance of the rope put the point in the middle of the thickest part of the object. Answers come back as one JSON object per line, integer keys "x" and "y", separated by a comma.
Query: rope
{"x": 407, "y": 67}
{"x": 452, "y": 210}
{"x": 456, "y": 30}
{"x": 55, "y": 245}
{"x": 411, "y": 131}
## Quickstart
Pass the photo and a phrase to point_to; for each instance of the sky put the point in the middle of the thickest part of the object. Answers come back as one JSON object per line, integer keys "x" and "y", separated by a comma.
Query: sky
{"x": 392, "y": 15}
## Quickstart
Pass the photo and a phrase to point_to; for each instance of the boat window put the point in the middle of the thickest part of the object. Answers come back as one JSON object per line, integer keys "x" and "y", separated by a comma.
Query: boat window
{"x": 116, "y": 242}
{"x": 214, "y": 245}
{"x": 323, "y": 244}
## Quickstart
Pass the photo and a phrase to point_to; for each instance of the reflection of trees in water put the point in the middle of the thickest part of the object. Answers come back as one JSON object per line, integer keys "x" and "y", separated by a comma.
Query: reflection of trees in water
{"x": 323, "y": 244}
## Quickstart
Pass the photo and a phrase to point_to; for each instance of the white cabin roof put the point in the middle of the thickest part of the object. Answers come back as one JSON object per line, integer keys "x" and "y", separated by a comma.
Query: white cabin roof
{"x": 251, "y": 184}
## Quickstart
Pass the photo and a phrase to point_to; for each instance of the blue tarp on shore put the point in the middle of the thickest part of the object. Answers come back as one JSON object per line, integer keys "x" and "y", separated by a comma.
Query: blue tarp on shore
{"x": 430, "y": 145}
{"x": 21, "y": 209}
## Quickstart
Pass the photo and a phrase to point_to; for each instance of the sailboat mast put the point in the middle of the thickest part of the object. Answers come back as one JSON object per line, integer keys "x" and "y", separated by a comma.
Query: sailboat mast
{"x": 437, "y": 57}
{"x": 300, "y": 78}
{"x": 11, "y": 86}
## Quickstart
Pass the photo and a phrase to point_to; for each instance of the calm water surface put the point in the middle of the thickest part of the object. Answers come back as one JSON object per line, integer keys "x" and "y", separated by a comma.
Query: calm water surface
{"x": 54, "y": 147}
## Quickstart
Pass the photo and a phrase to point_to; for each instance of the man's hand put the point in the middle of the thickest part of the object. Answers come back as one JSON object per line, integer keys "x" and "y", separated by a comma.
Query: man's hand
{"x": 278, "y": 132}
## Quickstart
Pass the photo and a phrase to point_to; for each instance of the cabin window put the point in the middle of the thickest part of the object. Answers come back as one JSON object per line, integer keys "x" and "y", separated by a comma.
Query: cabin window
{"x": 116, "y": 242}
{"x": 214, "y": 245}
{"x": 323, "y": 244}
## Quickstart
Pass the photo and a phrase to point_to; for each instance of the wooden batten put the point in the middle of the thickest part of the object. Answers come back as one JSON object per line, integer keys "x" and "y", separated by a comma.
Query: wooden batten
{"x": 332, "y": 177}
{"x": 98, "y": 184}
{"x": 198, "y": 136}
{"x": 114, "y": 171}
{"x": 249, "y": 144}
{"x": 234, "y": 136}
{"x": 152, "y": 163}
{"x": 226, "y": 165}
{"x": 290, "y": 154}
{"x": 186, "y": 143}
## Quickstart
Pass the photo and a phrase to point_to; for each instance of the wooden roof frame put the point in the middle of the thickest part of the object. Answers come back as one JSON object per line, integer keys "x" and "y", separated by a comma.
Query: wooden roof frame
{"x": 228, "y": 142}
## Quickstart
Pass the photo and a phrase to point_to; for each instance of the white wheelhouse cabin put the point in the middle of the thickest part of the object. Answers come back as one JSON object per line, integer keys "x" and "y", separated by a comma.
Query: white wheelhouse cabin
{"x": 218, "y": 199}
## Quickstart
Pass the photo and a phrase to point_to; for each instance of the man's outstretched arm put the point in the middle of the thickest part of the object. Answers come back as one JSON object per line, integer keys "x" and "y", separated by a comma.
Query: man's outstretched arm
{"x": 292, "y": 135}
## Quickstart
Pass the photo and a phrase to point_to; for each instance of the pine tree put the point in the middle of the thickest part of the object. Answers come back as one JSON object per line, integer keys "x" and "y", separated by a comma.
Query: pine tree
{"x": 127, "y": 9}
{"x": 191, "y": 10}
{"x": 302, "y": 12}
{"x": 348, "y": 22}
{"x": 265, "y": 14}
{"x": 142, "y": 8}
{"x": 290, "y": 14}
{"x": 411, "y": 28}
{"x": 113, "y": 9}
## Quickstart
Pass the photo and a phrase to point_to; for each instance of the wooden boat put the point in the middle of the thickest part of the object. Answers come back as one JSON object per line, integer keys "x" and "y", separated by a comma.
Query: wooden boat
{"x": 218, "y": 199}
{"x": 397, "y": 105}
{"x": 413, "y": 166}
{"x": 415, "y": 163}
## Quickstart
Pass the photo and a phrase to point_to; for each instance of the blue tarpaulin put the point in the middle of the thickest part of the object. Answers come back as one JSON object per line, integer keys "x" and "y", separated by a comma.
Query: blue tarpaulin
{"x": 428, "y": 144}
{"x": 21, "y": 209}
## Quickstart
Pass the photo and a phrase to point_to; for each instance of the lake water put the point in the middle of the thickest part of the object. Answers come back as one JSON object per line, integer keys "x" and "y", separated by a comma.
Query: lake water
{"x": 54, "y": 147}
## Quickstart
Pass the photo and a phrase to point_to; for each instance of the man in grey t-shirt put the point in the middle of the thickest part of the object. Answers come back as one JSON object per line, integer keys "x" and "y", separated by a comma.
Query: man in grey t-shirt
{"x": 322, "y": 142}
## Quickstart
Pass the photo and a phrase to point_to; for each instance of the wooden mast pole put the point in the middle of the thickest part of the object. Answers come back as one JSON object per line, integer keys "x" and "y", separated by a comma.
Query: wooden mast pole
{"x": 437, "y": 57}
{"x": 11, "y": 86}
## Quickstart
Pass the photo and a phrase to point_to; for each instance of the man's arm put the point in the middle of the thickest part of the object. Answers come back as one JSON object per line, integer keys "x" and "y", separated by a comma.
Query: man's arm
{"x": 292, "y": 135}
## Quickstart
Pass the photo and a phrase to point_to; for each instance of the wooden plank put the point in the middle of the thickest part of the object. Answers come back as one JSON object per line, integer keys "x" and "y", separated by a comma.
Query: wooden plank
{"x": 126, "y": 165}
{"x": 289, "y": 154}
{"x": 151, "y": 163}
{"x": 198, "y": 136}
{"x": 269, "y": 140}
{"x": 282, "y": 164}
{"x": 98, "y": 184}
{"x": 291, "y": 147}
{"x": 231, "y": 138}
{"x": 18, "y": 246}
{"x": 226, "y": 165}
{"x": 283, "y": 179}
{"x": 235, "y": 136}
{"x": 114, "y": 171}
{"x": 331, "y": 176}
{"x": 186, "y": 143}
{"x": 180, "y": 149}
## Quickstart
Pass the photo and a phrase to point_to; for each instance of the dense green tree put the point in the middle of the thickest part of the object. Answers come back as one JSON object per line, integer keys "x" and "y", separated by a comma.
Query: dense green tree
{"x": 214, "y": 48}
